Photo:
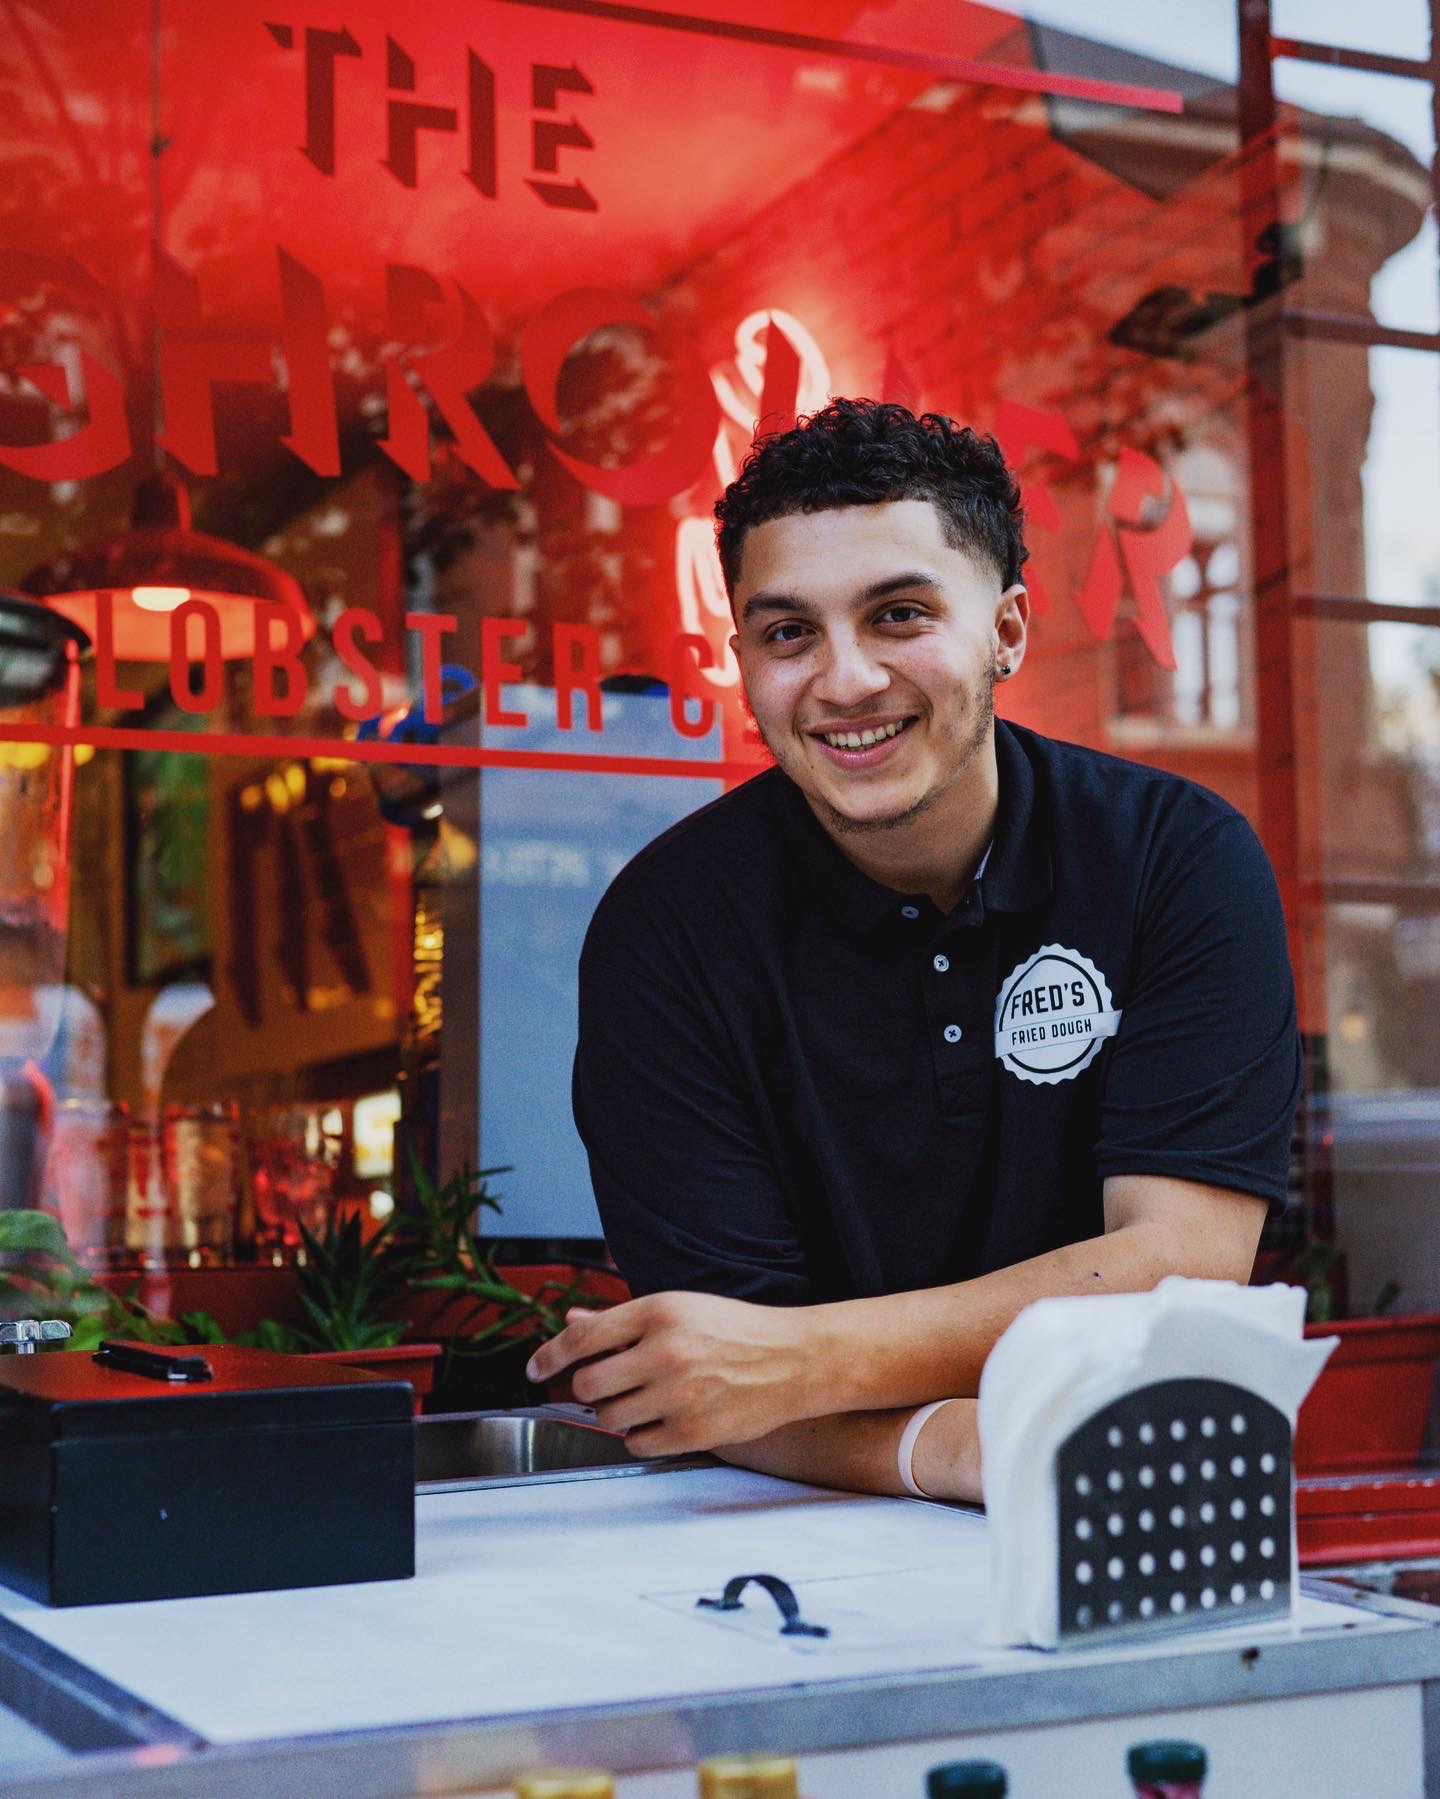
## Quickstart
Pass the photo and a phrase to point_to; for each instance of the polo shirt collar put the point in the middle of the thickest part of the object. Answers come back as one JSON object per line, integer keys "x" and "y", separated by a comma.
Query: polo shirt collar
{"x": 1016, "y": 871}
{"x": 1019, "y": 874}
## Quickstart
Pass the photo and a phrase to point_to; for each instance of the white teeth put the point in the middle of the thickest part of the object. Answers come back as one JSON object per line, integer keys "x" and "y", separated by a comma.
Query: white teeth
{"x": 862, "y": 740}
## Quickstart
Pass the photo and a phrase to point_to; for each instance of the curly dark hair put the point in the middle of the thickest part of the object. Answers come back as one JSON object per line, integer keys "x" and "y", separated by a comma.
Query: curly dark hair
{"x": 864, "y": 452}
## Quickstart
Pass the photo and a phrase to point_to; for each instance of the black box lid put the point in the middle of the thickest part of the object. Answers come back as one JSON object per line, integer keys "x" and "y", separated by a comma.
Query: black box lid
{"x": 68, "y": 1394}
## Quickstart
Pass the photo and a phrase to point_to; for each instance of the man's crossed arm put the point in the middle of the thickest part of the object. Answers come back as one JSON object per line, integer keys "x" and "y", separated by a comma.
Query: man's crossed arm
{"x": 822, "y": 1393}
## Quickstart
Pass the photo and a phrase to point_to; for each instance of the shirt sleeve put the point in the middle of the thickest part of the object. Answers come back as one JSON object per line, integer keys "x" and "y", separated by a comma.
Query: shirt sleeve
{"x": 686, "y": 1189}
{"x": 1205, "y": 1071}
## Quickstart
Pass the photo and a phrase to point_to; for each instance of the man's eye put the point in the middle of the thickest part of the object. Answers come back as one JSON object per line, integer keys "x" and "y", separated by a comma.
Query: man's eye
{"x": 790, "y": 633}
{"x": 903, "y": 612}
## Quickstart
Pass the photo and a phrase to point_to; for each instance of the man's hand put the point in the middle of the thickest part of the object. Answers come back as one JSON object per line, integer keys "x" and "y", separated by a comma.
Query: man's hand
{"x": 679, "y": 1372}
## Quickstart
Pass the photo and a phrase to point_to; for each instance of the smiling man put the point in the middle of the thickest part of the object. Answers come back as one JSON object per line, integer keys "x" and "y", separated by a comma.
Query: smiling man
{"x": 936, "y": 1018}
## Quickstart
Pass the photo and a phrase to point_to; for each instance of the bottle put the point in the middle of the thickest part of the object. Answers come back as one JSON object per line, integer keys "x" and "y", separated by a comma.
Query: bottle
{"x": 1167, "y": 1768}
{"x": 967, "y": 1780}
{"x": 565, "y": 1783}
{"x": 748, "y": 1777}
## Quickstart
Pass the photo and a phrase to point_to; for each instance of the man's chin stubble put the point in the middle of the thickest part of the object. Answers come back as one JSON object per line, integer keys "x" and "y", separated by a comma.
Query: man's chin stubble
{"x": 842, "y": 825}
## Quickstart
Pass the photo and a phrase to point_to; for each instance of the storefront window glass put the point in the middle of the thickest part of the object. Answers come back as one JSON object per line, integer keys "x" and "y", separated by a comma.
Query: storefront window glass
{"x": 1399, "y": 28}
{"x": 459, "y": 319}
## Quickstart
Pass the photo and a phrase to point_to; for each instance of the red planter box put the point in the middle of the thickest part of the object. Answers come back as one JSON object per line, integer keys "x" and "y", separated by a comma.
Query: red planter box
{"x": 1360, "y": 1489}
{"x": 1355, "y": 1518}
{"x": 238, "y": 1298}
{"x": 1368, "y": 1410}
{"x": 414, "y": 1362}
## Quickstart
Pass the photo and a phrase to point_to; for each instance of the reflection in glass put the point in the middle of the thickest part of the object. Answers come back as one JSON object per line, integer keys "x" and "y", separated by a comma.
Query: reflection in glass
{"x": 85, "y": 1184}
{"x": 1355, "y": 122}
{"x": 202, "y": 1178}
{"x": 550, "y": 845}
{"x": 294, "y": 1152}
{"x": 1401, "y": 479}
{"x": 1398, "y": 28}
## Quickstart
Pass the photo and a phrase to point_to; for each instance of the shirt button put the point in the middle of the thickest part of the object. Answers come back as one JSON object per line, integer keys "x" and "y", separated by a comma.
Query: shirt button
{"x": 909, "y": 911}
{"x": 953, "y": 1033}
{"x": 941, "y": 964}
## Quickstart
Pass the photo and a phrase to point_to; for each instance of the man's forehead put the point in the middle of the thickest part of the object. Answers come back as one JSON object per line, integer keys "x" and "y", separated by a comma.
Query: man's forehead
{"x": 859, "y": 544}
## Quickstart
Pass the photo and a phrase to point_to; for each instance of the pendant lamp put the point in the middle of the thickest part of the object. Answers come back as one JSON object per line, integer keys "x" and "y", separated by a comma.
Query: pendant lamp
{"x": 158, "y": 564}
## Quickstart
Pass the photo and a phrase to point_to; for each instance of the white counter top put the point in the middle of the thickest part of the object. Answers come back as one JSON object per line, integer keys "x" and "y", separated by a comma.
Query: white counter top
{"x": 547, "y": 1598}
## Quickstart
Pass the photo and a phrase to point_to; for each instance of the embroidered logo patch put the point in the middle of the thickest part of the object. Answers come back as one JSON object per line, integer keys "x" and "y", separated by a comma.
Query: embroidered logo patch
{"x": 1053, "y": 1013}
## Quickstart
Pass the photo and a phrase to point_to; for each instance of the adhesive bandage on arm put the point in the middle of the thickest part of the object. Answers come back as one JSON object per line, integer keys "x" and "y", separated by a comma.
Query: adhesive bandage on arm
{"x": 906, "y": 1456}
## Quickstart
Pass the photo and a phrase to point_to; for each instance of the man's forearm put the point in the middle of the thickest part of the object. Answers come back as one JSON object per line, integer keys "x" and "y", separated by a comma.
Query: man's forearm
{"x": 680, "y": 1371}
{"x": 859, "y": 1451}
{"x": 906, "y": 1348}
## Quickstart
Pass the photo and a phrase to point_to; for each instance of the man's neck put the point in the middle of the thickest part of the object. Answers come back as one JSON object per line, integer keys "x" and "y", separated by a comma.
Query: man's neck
{"x": 938, "y": 850}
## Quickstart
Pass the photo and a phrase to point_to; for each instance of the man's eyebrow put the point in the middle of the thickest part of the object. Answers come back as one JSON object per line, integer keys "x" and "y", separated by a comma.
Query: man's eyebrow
{"x": 898, "y": 584}
{"x": 879, "y": 590}
{"x": 774, "y": 602}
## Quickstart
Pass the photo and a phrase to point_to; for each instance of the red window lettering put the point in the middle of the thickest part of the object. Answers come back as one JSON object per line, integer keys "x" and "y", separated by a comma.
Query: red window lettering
{"x": 1148, "y": 555}
{"x": 104, "y": 441}
{"x": 549, "y": 136}
{"x": 449, "y": 373}
{"x": 1019, "y": 429}
{"x": 407, "y": 117}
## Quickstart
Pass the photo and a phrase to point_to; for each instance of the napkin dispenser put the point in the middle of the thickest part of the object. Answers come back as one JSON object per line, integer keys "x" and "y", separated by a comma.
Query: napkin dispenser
{"x": 151, "y": 1474}
{"x": 1137, "y": 1457}
{"x": 1175, "y": 1507}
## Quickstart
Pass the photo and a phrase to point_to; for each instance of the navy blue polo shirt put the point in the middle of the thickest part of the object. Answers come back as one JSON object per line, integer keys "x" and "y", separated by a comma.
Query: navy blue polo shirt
{"x": 795, "y": 1084}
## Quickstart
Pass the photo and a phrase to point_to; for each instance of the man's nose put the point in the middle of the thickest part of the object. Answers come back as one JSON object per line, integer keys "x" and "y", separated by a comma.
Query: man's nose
{"x": 848, "y": 673}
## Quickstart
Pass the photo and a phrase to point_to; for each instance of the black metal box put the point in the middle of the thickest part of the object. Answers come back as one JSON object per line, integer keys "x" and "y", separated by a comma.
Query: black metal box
{"x": 276, "y": 1471}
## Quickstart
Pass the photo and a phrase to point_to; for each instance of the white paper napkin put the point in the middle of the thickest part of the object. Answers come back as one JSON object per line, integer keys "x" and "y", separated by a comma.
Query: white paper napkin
{"x": 1062, "y": 1360}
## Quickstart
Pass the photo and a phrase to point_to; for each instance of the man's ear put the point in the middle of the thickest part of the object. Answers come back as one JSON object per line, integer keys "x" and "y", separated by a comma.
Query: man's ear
{"x": 1012, "y": 626}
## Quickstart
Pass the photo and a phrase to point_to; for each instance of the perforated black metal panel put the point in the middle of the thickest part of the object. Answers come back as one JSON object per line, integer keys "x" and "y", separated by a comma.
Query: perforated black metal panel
{"x": 1175, "y": 1506}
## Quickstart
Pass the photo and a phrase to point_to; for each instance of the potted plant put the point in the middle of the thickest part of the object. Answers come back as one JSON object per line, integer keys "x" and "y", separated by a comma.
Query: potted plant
{"x": 490, "y": 1318}
{"x": 346, "y": 1280}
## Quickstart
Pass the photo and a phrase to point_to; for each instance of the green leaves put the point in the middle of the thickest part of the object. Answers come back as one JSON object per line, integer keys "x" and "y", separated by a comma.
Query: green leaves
{"x": 36, "y": 1234}
{"x": 444, "y": 1253}
{"x": 346, "y": 1282}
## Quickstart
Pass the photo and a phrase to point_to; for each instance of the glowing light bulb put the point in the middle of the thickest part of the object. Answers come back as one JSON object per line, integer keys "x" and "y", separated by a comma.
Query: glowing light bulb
{"x": 159, "y": 599}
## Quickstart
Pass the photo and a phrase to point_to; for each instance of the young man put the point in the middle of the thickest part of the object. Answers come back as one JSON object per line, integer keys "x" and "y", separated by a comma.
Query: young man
{"x": 936, "y": 1018}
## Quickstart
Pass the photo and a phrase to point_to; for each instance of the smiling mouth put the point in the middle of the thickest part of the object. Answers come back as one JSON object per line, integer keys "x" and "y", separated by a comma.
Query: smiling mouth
{"x": 858, "y": 743}
{"x": 863, "y": 740}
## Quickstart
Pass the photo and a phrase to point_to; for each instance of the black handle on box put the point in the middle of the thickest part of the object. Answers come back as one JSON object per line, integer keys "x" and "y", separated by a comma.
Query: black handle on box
{"x": 154, "y": 1364}
{"x": 780, "y": 1591}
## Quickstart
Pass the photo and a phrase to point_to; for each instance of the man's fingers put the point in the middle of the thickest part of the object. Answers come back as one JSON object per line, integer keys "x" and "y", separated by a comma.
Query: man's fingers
{"x": 628, "y": 1410}
{"x": 652, "y": 1439}
{"x": 592, "y": 1333}
{"x": 609, "y": 1376}
{"x": 549, "y": 1359}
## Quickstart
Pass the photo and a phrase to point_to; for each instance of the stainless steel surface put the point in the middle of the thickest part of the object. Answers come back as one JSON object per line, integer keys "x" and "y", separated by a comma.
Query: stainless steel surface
{"x": 76, "y": 1708}
{"x": 460, "y": 1450}
{"x": 472, "y": 1755}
